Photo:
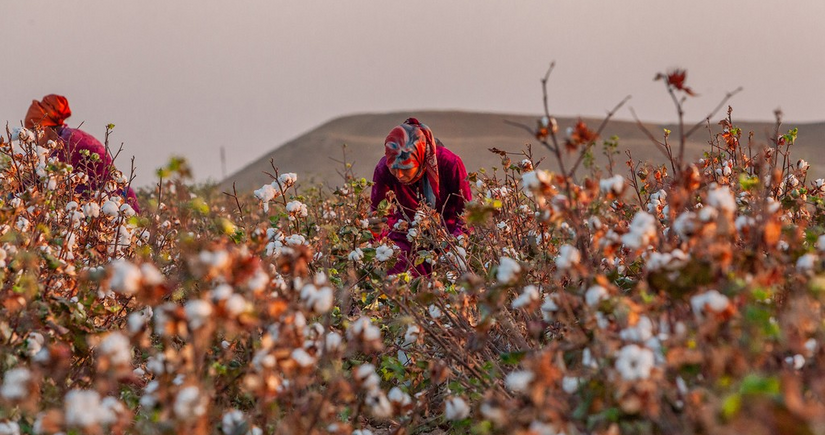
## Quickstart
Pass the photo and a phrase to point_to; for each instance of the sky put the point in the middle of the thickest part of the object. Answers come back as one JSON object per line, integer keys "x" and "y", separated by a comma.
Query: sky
{"x": 188, "y": 77}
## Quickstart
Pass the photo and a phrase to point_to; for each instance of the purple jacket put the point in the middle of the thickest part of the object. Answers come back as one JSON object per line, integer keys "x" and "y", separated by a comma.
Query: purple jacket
{"x": 454, "y": 191}
{"x": 75, "y": 141}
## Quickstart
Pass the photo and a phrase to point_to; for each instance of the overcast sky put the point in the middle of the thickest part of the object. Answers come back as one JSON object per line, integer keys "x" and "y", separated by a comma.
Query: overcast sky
{"x": 189, "y": 76}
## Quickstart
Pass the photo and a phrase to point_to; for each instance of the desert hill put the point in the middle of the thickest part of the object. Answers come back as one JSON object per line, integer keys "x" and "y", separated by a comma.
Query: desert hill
{"x": 313, "y": 155}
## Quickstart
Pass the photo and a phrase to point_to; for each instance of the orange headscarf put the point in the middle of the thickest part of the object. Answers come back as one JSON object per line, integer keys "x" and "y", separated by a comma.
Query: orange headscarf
{"x": 51, "y": 112}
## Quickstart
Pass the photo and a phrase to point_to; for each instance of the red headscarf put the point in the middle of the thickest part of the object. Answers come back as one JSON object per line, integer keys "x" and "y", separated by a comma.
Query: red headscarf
{"x": 51, "y": 112}
{"x": 412, "y": 145}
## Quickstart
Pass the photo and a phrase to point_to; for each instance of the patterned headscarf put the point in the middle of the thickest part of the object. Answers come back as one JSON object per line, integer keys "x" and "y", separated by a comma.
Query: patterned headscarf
{"x": 51, "y": 112}
{"x": 412, "y": 145}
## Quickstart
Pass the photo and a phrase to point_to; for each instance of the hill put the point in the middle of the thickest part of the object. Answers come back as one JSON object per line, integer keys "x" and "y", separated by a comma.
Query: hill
{"x": 313, "y": 155}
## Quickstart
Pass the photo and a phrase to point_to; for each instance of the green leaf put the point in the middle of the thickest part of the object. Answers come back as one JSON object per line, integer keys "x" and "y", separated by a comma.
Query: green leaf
{"x": 512, "y": 358}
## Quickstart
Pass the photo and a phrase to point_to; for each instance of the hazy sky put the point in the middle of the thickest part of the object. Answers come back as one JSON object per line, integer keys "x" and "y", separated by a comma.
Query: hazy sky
{"x": 189, "y": 76}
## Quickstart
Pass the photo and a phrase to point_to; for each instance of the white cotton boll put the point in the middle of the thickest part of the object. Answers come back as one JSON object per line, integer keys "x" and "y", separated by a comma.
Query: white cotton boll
{"x": 362, "y": 432}
{"x": 493, "y": 413}
{"x": 721, "y": 198}
{"x": 411, "y": 335}
{"x": 640, "y": 332}
{"x": 151, "y": 274}
{"x": 399, "y": 397}
{"x": 125, "y": 277}
{"x": 595, "y": 294}
{"x": 378, "y": 404}
{"x": 137, "y": 320}
{"x": 295, "y": 240}
{"x": 235, "y": 305}
{"x": 635, "y": 362}
{"x": 232, "y": 422}
{"x": 127, "y": 210}
{"x": 365, "y": 375}
{"x": 82, "y": 408}
{"x": 322, "y": 302}
{"x": 434, "y": 311}
{"x": 806, "y": 263}
{"x": 34, "y": 343}
{"x": 642, "y": 231}
{"x": 297, "y": 208}
{"x": 568, "y": 257}
{"x": 549, "y": 306}
{"x": 456, "y": 409}
{"x": 540, "y": 428}
{"x": 217, "y": 259}
{"x": 110, "y": 208}
{"x": 22, "y": 224}
{"x": 588, "y": 360}
{"x": 91, "y": 209}
{"x": 529, "y": 295}
{"x": 357, "y": 255}
{"x": 302, "y": 358}
{"x": 534, "y": 180}
{"x": 197, "y": 312}
{"x": 189, "y": 404}
{"x": 9, "y": 428}
{"x": 710, "y": 301}
{"x": 333, "y": 341}
{"x": 364, "y": 328}
{"x": 570, "y": 384}
{"x": 288, "y": 179}
{"x": 614, "y": 184}
{"x": 820, "y": 243}
{"x": 517, "y": 381}
{"x": 508, "y": 270}
{"x": 412, "y": 233}
{"x": 16, "y": 384}
{"x": 383, "y": 253}
{"x": 116, "y": 347}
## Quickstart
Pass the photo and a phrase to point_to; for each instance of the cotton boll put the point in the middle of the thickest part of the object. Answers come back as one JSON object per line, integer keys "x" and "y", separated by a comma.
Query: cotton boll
{"x": 16, "y": 384}
{"x": 126, "y": 277}
{"x": 508, "y": 270}
{"x": 197, "y": 312}
{"x": 568, "y": 257}
{"x": 528, "y": 295}
{"x": 634, "y": 362}
{"x": 383, "y": 253}
{"x": 614, "y": 185}
{"x": 595, "y": 294}
{"x": 189, "y": 403}
{"x": 517, "y": 381}
{"x": 456, "y": 409}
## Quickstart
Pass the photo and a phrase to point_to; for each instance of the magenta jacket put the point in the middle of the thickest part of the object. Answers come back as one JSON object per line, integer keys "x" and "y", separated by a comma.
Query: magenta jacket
{"x": 74, "y": 141}
{"x": 454, "y": 191}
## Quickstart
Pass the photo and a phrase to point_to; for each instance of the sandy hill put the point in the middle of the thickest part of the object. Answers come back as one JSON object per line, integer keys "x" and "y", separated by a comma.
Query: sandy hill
{"x": 313, "y": 155}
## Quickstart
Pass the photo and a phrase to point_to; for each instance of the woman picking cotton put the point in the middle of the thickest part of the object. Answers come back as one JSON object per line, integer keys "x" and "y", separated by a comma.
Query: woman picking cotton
{"x": 418, "y": 170}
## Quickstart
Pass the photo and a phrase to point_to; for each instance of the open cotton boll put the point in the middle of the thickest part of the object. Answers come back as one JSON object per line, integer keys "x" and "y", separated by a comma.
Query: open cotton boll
{"x": 517, "y": 381}
{"x": 16, "y": 384}
{"x": 197, "y": 312}
{"x": 634, "y": 362}
{"x": 568, "y": 257}
{"x": 508, "y": 270}
{"x": 456, "y": 409}
{"x": 642, "y": 231}
{"x": 383, "y": 253}
{"x": 189, "y": 403}
{"x": 116, "y": 347}
{"x": 614, "y": 184}
{"x": 529, "y": 295}
{"x": 595, "y": 294}
{"x": 126, "y": 277}
{"x": 721, "y": 198}
{"x": 710, "y": 301}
